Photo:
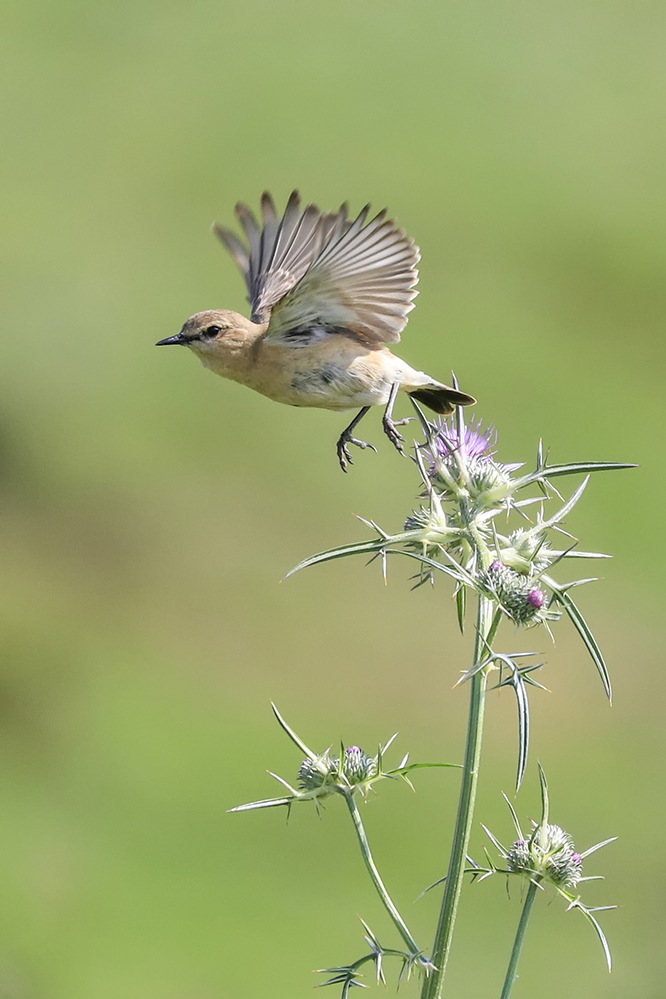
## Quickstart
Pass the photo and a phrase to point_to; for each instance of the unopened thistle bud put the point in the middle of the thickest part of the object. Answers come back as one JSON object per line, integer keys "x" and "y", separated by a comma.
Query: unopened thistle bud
{"x": 431, "y": 531}
{"x": 518, "y": 857}
{"x": 527, "y": 551}
{"x": 518, "y": 594}
{"x": 548, "y": 854}
{"x": 357, "y": 766}
{"x": 313, "y": 774}
{"x": 327, "y": 772}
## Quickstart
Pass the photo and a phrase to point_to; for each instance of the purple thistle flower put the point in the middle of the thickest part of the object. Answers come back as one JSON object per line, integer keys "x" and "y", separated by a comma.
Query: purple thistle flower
{"x": 474, "y": 450}
{"x": 536, "y": 598}
{"x": 475, "y": 444}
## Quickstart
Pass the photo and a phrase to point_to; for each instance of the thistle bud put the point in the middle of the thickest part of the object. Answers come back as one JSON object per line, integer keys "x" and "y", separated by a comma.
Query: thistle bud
{"x": 527, "y": 551}
{"x": 518, "y": 857}
{"x": 327, "y": 771}
{"x": 313, "y": 774}
{"x": 548, "y": 854}
{"x": 357, "y": 766}
{"x": 518, "y": 594}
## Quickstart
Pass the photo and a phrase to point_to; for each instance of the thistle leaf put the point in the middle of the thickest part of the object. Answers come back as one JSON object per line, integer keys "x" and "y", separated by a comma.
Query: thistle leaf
{"x": 600, "y": 933}
{"x": 496, "y": 843}
{"x": 572, "y": 553}
{"x": 363, "y": 547}
{"x": 266, "y": 803}
{"x": 597, "y": 846}
{"x": 514, "y": 817}
{"x": 568, "y": 506}
{"x": 523, "y": 725}
{"x": 583, "y": 629}
{"x": 572, "y": 468}
{"x": 292, "y": 735}
{"x": 459, "y": 574}
{"x": 544, "y": 797}
{"x": 420, "y": 766}
{"x": 461, "y": 602}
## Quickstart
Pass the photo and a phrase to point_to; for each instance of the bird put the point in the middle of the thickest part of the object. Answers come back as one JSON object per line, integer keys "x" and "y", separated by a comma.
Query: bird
{"x": 327, "y": 294}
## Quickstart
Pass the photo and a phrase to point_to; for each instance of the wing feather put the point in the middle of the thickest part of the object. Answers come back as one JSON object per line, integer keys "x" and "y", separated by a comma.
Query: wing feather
{"x": 314, "y": 270}
{"x": 363, "y": 280}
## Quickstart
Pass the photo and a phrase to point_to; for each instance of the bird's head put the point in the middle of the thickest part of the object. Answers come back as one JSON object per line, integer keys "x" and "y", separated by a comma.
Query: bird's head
{"x": 214, "y": 333}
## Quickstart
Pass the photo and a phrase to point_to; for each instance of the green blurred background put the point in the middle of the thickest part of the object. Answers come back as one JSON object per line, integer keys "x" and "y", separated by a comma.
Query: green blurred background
{"x": 149, "y": 510}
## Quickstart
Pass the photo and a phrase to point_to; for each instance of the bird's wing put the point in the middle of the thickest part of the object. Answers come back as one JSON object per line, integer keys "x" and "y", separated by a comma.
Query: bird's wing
{"x": 313, "y": 270}
{"x": 279, "y": 253}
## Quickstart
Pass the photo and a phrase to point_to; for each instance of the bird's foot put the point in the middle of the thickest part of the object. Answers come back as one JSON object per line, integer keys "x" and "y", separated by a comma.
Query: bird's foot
{"x": 344, "y": 455}
{"x": 390, "y": 429}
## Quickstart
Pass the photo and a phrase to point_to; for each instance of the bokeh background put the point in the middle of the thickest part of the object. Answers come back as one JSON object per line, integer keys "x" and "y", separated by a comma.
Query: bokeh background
{"x": 148, "y": 510}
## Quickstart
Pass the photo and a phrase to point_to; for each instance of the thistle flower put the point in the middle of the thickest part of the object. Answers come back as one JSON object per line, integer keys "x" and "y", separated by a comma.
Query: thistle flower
{"x": 459, "y": 533}
{"x": 462, "y": 460}
{"x": 519, "y": 595}
{"x": 314, "y": 774}
{"x": 549, "y": 854}
{"x": 528, "y": 551}
{"x": 321, "y": 775}
{"x": 472, "y": 442}
{"x": 357, "y": 766}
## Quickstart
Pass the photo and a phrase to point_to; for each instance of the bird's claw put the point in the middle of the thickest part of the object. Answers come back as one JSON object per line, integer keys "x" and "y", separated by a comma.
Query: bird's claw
{"x": 344, "y": 454}
{"x": 390, "y": 430}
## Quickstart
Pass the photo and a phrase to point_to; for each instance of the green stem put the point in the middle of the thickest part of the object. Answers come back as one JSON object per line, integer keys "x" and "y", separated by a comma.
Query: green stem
{"x": 518, "y": 942}
{"x": 485, "y": 632}
{"x": 376, "y": 877}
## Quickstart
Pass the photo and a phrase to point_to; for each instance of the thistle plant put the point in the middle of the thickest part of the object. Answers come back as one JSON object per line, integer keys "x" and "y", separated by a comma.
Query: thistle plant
{"x": 353, "y": 772}
{"x": 547, "y": 857}
{"x": 485, "y": 526}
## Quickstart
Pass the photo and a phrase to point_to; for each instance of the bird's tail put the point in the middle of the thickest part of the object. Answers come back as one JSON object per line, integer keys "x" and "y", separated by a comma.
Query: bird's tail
{"x": 441, "y": 398}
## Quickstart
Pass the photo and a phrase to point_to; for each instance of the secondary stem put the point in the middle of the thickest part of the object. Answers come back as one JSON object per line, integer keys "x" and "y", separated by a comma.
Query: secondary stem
{"x": 518, "y": 942}
{"x": 375, "y": 875}
{"x": 486, "y": 628}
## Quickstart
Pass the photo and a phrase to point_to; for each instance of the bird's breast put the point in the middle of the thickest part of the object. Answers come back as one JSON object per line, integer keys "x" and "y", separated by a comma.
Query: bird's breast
{"x": 337, "y": 374}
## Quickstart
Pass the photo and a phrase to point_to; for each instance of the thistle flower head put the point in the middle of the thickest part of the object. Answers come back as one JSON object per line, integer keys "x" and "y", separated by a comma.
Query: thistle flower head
{"x": 527, "y": 551}
{"x": 314, "y": 774}
{"x": 548, "y": 854}
{"x": 322, "y": 775}
{"x": 462, "y": 460}
{"x": 473, "y": 443}
{"x": 460, "y": 532}
{"x": 357, "y": 766}
{"x": 519, "y": 595}
{"x": 429, "y": 531}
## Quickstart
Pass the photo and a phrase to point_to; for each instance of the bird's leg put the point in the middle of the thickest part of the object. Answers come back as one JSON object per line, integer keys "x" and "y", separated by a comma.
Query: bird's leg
{"x": 346, "y": 437}
{"x": 390, "y": 424}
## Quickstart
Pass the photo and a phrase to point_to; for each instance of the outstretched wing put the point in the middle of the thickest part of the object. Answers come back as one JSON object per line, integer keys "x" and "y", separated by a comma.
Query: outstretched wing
{"x": 279, "y": 254}
{"x": 314, "y": 271}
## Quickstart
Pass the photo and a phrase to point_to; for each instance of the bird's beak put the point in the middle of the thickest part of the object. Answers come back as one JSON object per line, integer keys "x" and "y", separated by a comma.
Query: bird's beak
{"x": 178, "y": 338}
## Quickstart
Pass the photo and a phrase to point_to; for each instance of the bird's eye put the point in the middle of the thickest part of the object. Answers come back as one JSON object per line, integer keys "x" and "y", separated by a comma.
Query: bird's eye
{"x": 212, "y": 330}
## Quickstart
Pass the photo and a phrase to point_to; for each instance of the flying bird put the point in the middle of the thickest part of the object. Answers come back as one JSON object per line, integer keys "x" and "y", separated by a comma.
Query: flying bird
{"x": 327, "y": 293}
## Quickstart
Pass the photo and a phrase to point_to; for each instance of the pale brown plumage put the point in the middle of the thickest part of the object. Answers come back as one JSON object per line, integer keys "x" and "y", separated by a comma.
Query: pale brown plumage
{"x": 326, "y": 293}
